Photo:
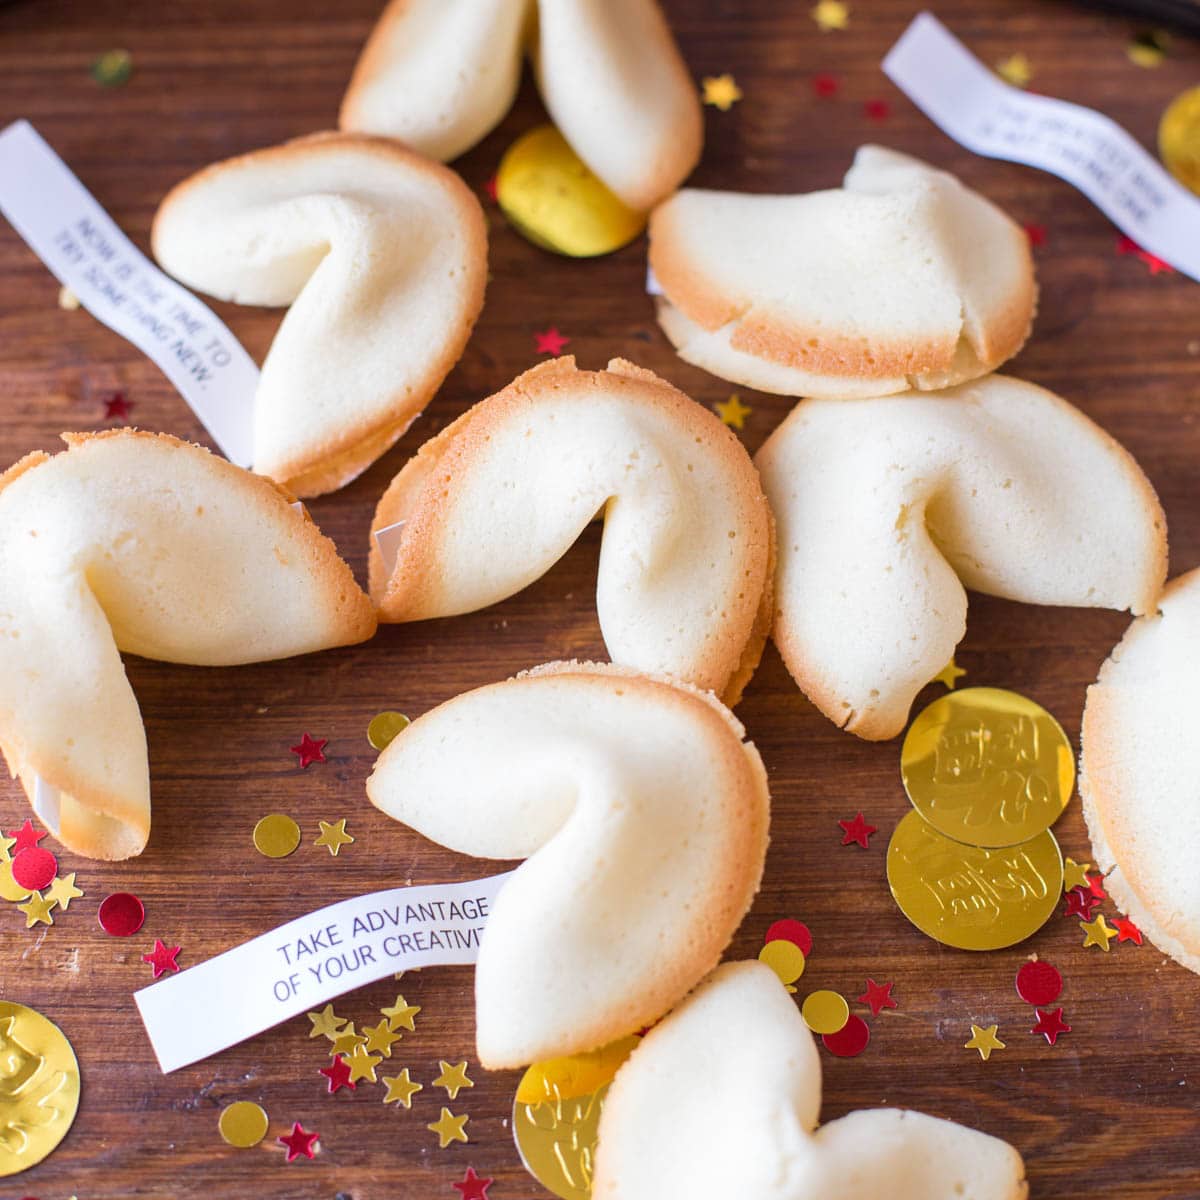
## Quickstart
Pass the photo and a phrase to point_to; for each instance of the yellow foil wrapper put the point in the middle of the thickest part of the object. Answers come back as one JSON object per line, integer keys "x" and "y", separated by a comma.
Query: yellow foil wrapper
{"x": 1179, "y": 138}
{"x": 987, "y": 767}
{"x": 972, "y": 897}
{"x": 551, "y": 198}
{"x": 39, "y": 1087}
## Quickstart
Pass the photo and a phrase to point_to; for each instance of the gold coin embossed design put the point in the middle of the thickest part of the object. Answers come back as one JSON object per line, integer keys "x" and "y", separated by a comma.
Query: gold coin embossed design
{"x": 39, "y": 1087}
{"x": 987, "y": 767}
{"x": 1179, "y": 138}
{"x": 556, "y": 1116}
{"x": 551, "y": 198}
{"x": 973, "y": 897}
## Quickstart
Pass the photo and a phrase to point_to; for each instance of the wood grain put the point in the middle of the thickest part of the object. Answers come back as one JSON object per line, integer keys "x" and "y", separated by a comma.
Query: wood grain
{"x": 1110, "y": 1110}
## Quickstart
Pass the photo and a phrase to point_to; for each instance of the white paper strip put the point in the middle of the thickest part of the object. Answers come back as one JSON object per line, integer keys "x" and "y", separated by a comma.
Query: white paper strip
{"x": 47, "y": 803}
{"x": 387, "y": 542}
{"x": 1087, "y": 149}
{"x": 308, "y": 962}
{"x": 117, "y": 284}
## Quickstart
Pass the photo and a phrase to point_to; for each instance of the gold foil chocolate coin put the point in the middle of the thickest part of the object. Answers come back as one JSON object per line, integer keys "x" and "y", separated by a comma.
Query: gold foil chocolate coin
{"x": 972, "y": 897}
{"x": 1179, "y": 138}
{"x": 556, "y": 1115}
{"x": 551, "y": 198}
{"x": 39, "y": 1087}
{"x": 987, "y": 767}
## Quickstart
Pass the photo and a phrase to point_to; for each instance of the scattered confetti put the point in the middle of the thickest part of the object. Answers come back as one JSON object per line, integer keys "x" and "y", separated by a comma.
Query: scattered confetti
{"x": 1154, "y": 264}
{"x": 825, "y": 86}
{"x": 472, "y": 1186}
{"x": 1036, "y": 235}
{"x": 453, "y": 1078}
{"x": 949, "y": 675}
{"x": 1015, "y": 69}
{"x": 857, "y": 830}
{"x": 790, "y": 930}
{"x": 1127, "y": 931}
{"x": 34, "y": 868}
{"x": 1081, "y": 903}
{"x": 877, "y": 110}
{"x": 276, "y": 835}
{"x": 491, "y": 187}
{"x": 10, "y": 889}
{"x": 162, "y": 958}
{"x": 362, "y": 1064}
{"x": 825, "y": 1011}
{"x": 402, "y": 1015}
{"x": 1097, "y": 933}
{"x": 380, "y": 1038}
{"x": 1095, "y": 885}
{"x": 6, "y": 845}
{"x": 63, "y": 891}
{"x": 243, "y": 1124}
{"x": 310, "y": 750}
{"x": 113, "y": 68}
{"x": 26, "y": 838}
{"x": 401, "y": 1088}
{"x": 449, "y": 1128}
{"x": 1039, "y": 983}
{"x": 117, "y": 407}
{"x": 831, "y": 15}
{"x": 334, "y": 836}
{"x": 299, "y": 1142}
{"x": 1050, "y": 1024}
{"x": 1148, "y": 48}
{"x": 850, "y": 1040}
{"x": 347, "y": 1041}
{"x": 37, "y": 910}
{"x": 733, "y": 412}
{"x": 878, "y": 996}
{"x": 67, "y": 300}
{"x": 550, "y": 341}
{"x": 338, "y": 1074}
{"x": 122, "y": 914}
{"x": 1179, "y": 138}
{"x": 721, "y": 91}
{"x": 384, "y": 727}
{"x": 325, "y": 1023}
{"x": 785, "y": 958}
{"x": 984, "y": 1040}
{"x": 1075, "y": 874}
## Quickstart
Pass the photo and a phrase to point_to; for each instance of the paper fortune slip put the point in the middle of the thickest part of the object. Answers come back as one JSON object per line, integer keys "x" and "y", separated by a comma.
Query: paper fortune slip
{"x": 309, "y": 961}
{"x": 86, "y": 251}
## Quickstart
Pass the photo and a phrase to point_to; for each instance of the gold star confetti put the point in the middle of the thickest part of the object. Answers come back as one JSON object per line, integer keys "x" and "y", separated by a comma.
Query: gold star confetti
{"x": 1075, "y": 874}
{"x": 402, "y": 1088}
{"x": 362, "y": 1064}
{"x": 1097, "y": 933}
{"x": 401, "y": 1015}
{"x": 1148, "y": 49}
{"x": 37, "y": 910}
{"x": 67, "y": 299}
{"x": 453, "y": 1078}
{"x": 732, "y": 411}
{"x": 63, "y": 891}
{"x": 326, "y": 1023}
{"x": 333, "y": 836}
{"x": 721, "y": 91}
{"x": 1015, "y": 69}
{"x": 6, "y": 845}
{"x": 949, "y": 674}
{"x": 380, "y": 1038}
{"x": 830, "y": 15}
{"x": 984, "y": 1040}
{"x": 449, "y": 1128}
{"x": 347, "y": 1041}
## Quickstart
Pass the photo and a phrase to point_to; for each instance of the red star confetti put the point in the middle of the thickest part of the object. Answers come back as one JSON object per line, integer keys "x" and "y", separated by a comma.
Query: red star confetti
{"x": 790, "y": 930}
{"x": 1050, "y": 1024}
{"x": 550, "y": 341}
{"x": 857, "y": 830}
{"x": 116, "y": 407}
{"x": 338, "y": 1074}
{"x": 849, "y": 1041}
{"x": 310, "y": 750}
{"x": 1127, "y": 931}
{"x": 1080, "y": 903}
{"x": 34, "y": 868}
{"x": 162, "y": 958}
{"x": 26, "y": 838}
{"x": 121, "y": 914}
{"x": 1126, "y": 245}
{"x": 1039, "y": 983}
{"x": 489, "y": 188}
{"x": 825, "y": 86}
{"x": 877, "y": 110}
{"x": 299, "y": 1142}
{"x": 878, "y": 996}
{"x": 472, "y": 1187}
{"x": 1096, "y": 886}
{"x": 1036, "y": 235}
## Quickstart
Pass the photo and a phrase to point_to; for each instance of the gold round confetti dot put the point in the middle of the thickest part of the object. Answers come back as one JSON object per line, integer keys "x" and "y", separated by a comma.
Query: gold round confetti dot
{"x": 825, "y": 1011}
{"x": 552, "y": 199}
{"x": 243, "y": 1124}
{"x": 785, "y": 958}
{"x": 1179, "y": 138}
{"x": 276, "y": 836}
{"x": 40, "y": 1092}
{"x": 384, "y": 727}
{"x": 987, "y": 767}
{"x": 10, "y": 889}
{"x": 113, "y": 68}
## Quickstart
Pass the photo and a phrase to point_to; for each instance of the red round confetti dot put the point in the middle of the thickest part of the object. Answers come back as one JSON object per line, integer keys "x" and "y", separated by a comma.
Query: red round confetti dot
{"x": 791, "y": 930}
{"x": 1039, "y": 983}
{"x": 34, "y": 868}
{"x": 121, "y": 914}
{"x": 850, "y": 1040}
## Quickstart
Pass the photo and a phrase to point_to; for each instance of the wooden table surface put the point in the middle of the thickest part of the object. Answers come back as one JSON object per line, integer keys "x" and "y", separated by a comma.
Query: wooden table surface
{"x": 1110, "y": 1111}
